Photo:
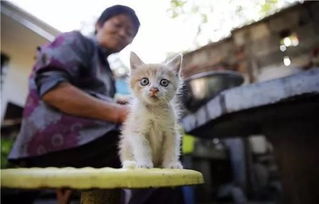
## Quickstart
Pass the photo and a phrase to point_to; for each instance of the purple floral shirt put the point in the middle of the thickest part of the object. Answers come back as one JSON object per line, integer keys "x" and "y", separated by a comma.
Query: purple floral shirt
{"x": 72, "y": 58}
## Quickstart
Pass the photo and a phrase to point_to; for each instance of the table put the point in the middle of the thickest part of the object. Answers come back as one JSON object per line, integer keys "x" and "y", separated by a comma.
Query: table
{"x": 105, "y": 182}
{"x": 286, "y": 111}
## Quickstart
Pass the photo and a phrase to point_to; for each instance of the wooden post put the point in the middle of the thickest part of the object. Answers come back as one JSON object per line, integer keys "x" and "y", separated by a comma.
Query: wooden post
{"x": 296, "y": 150}
{"x": 112, "y": 196}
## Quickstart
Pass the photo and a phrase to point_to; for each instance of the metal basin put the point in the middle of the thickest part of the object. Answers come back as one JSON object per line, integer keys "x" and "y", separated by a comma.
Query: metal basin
{"x": 202, "y": 87}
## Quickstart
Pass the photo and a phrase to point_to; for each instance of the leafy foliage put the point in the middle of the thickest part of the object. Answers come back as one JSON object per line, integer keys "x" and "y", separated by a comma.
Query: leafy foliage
{"x": 215, "y": 19}
{"x": 6, "y": 145}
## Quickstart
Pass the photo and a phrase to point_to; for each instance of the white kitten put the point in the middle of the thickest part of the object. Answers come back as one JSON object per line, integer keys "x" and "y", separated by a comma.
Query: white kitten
{"x": 150, "y": 136}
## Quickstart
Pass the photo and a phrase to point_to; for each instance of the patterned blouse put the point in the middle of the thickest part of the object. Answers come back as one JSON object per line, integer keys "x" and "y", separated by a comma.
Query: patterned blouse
{"x": 72, "y": 58}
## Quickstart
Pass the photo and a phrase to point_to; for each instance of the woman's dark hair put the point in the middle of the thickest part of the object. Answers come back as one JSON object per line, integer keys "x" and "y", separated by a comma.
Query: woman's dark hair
{"x": 117, "y": 10}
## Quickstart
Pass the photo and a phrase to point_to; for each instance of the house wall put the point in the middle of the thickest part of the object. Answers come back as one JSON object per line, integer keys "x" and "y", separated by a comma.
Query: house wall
{"x": 254, "y": 50}
{"x": 19, "y": 43}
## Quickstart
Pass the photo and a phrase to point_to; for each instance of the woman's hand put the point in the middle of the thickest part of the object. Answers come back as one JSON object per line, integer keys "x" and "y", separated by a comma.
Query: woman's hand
{"x": 123, "y": 112}
{"x": 123, "y": 99}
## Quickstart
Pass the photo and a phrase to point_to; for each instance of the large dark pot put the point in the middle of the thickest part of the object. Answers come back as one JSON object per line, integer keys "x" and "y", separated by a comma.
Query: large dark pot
{"x": 202, "y": 87}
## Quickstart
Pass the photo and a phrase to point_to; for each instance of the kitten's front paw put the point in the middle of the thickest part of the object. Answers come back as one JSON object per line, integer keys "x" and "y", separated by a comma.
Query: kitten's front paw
{"x": 173, "y": 165}
{"x": 127, "y": 164}
{"x": 146, "y": 165}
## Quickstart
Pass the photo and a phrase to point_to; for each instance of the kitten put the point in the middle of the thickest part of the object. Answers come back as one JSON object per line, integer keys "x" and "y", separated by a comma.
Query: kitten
{"x": 150, "y": 136}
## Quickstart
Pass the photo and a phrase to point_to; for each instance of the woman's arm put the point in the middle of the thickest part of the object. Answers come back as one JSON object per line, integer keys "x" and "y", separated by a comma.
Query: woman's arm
{"x": 70, "y": 99}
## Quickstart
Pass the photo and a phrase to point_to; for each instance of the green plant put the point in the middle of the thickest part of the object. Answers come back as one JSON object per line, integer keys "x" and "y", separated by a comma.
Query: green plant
{"x": 6, "y": 145}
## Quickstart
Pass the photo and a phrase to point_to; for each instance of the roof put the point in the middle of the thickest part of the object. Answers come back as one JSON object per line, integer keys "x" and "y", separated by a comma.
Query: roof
{"x": 29, "y": 21}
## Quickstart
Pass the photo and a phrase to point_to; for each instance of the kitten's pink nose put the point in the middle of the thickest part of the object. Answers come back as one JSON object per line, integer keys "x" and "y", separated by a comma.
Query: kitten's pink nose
{"x": 153, "y": 91}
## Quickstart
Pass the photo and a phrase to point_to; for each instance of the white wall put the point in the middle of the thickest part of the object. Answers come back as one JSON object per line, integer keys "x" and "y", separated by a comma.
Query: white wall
{"x": 19, "y": 43}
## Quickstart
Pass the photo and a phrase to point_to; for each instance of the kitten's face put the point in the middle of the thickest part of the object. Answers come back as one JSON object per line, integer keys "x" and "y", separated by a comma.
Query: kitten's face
{"x": 154, "y": 83}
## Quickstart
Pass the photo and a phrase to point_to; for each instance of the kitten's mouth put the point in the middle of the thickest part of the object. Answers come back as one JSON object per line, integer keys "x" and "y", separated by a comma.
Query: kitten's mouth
{"x": 153, "y": 96}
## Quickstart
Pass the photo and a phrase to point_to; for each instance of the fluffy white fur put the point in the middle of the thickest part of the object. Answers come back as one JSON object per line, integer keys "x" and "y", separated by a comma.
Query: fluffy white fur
{"x": 150, "y": 136}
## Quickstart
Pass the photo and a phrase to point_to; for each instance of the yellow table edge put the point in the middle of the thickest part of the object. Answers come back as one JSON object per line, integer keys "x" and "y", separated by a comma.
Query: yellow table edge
{"x": 101, "y": 178}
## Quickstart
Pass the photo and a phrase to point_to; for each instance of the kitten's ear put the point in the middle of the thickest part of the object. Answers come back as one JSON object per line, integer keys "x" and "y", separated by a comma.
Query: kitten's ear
{"x": 135, "y": 61}
{"x": 176, "y": 63}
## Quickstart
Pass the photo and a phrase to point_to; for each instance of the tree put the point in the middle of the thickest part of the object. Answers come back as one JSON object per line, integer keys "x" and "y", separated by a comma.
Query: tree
{"x": 215, "y": 19}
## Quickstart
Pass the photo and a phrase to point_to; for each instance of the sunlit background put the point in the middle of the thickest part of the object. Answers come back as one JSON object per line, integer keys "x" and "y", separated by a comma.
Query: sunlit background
{"x": 167, "y": 26}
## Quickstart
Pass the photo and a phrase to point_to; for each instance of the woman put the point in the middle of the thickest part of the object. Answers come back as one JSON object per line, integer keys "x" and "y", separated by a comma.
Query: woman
{"x": 70, "y": 118}
{"x": 70, "y": 110}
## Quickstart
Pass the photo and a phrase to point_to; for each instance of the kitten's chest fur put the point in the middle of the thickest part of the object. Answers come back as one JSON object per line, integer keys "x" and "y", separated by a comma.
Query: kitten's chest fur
{"x": 158, "y": 121}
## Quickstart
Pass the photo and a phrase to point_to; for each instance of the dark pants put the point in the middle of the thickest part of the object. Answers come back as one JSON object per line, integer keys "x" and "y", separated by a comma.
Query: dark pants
{"x": 103, "y": 152}
{"x": 99, "y": 153}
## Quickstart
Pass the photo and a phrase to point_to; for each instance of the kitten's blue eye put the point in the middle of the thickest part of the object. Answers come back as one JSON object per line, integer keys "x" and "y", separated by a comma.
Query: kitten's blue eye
{"x": 144, "y": 81}
{"x": 164, "y": 82}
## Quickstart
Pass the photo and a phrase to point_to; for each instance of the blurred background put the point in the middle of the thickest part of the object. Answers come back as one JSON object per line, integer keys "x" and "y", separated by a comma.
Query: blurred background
{"x": 225, "y": 44}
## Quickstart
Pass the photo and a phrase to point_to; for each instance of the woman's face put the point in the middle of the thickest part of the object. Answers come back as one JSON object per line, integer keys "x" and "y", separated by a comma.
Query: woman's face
{"x": 116, "y": 33}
